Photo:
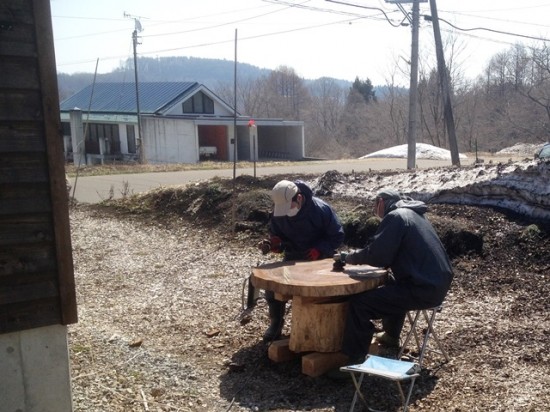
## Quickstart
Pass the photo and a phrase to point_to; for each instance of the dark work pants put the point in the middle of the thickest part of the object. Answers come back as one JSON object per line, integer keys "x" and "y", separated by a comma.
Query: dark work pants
{"x": 389, "y": 303}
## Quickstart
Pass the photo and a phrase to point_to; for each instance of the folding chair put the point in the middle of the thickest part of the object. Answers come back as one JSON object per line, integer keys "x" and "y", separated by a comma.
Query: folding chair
{"x": 395, "y": 370}
{"x": 414, "y": 318}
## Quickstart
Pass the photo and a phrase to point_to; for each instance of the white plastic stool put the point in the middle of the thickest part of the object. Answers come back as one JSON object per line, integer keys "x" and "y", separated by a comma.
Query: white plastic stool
{"x": 415, "y": 321}
{"x": 395, "y": 370}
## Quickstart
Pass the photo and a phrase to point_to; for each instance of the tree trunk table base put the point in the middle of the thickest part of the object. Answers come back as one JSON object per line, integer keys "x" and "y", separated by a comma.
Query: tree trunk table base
{"x": 319, "y": 306}
{"x": 317, "y": 324}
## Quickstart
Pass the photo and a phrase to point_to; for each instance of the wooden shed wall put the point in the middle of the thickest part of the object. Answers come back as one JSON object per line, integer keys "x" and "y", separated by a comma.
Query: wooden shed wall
{"x": 36, "y": 269}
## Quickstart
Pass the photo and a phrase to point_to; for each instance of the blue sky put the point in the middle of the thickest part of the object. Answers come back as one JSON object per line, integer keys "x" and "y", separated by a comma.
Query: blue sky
{"x": 315, "y": 37}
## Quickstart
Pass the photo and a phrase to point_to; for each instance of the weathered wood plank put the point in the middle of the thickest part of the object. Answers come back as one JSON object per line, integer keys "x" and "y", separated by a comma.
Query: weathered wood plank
{"x": 28, "y": 315}
{"x": 18, "y": 74}
{"x": 24, "y": 205}
{"x": 15, "y": 13}
{"x": 21, "y": 137}
{"x": 23, "y": 229}
{"x": 316, "y": 363}
{"x": 22, "y": 105}
{"x": 16, "y": 292}
{"x": 24, "y": 199}
{"x": 29, "y": 190}
{"x": 17, "y": 38}
{"x": 26, "y": 260}
{"x": 16, "y": 169}
{"x": 27, "y": 293}
{"x": 279, "y": 351}
{"x": 17, "y": 30}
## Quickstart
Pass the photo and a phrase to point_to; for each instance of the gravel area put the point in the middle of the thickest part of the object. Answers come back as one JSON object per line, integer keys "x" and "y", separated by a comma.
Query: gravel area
{"x": 159, "y": 301}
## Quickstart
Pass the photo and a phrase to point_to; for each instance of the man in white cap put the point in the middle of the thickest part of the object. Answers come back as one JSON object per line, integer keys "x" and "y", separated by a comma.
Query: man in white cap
{"x": 303, "y": 227}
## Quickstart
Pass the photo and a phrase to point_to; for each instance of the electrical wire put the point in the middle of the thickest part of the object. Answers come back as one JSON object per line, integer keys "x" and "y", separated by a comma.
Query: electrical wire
{"x": 369, "y": 8}
{"x": 217, "y": 25}
{"x": 288, "y": 5}
{"x": 490, "y": 30}
{"x": 495, "y": 19}
{"x": 254, "y": 36}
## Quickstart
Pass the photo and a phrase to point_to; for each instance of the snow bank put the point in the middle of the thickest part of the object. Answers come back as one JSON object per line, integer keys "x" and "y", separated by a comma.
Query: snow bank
{"x": 423, "y": 151}
{"x": 520, "y": 187}
{"x": 524, "y": 149}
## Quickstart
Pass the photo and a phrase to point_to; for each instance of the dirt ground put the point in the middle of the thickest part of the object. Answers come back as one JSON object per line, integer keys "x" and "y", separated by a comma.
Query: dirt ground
{"x": 159, "y": 285}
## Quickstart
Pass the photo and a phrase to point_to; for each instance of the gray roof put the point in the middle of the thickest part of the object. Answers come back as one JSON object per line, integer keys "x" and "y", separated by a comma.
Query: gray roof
{"x": 121, "y": 97}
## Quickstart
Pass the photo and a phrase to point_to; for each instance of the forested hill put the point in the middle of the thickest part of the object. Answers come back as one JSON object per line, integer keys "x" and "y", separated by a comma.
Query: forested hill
{"x": 210, "y": 72}
{"x": 349, "y": 119}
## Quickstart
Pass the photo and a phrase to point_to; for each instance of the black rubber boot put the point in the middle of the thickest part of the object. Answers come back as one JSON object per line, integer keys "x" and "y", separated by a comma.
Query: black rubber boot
{"x": 277, "y": 317}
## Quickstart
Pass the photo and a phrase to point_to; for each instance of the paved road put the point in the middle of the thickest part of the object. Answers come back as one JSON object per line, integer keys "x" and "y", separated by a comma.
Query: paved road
{"x": 93, "y": 189}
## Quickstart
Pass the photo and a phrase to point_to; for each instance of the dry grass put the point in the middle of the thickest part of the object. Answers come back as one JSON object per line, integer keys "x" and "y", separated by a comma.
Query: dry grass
{"x": 117, "y": 167}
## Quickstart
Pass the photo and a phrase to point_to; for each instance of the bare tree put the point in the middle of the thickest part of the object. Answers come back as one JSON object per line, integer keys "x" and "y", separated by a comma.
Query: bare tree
{"x": 327, "y": 104}
{"x": 284, "y": 94}
{"x": 394, "y": 102}
{"x": 431, "y": 109}
{"x": 538, "y": 90}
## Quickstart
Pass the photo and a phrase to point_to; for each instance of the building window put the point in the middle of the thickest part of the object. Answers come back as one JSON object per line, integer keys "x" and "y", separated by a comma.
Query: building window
{"x": 96, "y": 131}
{"x": 198, "y": 103}
{"x": 131, "y": 137}
{"x": 66, "y": 127}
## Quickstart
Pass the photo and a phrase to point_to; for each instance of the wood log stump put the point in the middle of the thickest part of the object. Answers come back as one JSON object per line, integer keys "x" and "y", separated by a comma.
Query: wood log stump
{"x": 317, "y": 324}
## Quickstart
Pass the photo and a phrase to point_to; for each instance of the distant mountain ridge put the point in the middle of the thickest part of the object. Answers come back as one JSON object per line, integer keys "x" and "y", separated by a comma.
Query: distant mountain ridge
{"x": 210, "y": 72}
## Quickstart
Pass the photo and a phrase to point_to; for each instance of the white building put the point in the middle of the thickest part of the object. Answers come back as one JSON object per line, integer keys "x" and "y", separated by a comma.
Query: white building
{"x": 181, "y": 122}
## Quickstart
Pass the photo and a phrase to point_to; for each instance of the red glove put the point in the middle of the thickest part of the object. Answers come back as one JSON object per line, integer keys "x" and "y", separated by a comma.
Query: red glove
{"x": 264, "y": 246}
{"x": 270, "y": 245}
{"x": 276, "y": 244}
{"x": 313, "y": 254}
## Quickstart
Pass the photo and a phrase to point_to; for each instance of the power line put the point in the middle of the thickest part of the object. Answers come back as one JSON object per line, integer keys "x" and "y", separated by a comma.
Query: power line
{"x": 369, "y": 8}
{"x": 497, "y": 19}
{"x": 489, "y": 30}
{"x": 278, "y": 2}
{"x": 346, "y": 21}
{"x": 257, "y": 36}
{"x": 289, "y": 5}
{"x": 217, "y": 25}
{"x": 206, "y": 44}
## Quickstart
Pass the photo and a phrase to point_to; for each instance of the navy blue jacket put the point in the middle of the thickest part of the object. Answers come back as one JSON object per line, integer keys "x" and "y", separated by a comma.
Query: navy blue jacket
{"x": 315, "y": 226}
{"x": 407, "y": 243}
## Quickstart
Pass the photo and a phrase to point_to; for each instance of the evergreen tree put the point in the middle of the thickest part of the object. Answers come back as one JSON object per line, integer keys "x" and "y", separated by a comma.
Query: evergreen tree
{"x": 365, "y": 89}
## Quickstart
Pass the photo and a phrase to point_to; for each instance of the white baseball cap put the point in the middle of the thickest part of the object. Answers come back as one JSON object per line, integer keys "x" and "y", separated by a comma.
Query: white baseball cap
{"x": 282, "y": 194}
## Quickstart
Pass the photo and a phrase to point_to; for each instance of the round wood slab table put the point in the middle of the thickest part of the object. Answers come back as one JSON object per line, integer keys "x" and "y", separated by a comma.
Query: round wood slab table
{"x": 319, "y": 298}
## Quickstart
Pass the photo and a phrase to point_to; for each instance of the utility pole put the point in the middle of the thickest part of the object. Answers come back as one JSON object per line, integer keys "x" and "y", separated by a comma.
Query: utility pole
{"x": 413, "y": 90}
{"x": 235, "y": 151}
{"x": 137, "y": 29}
{"x": 139, "y": 133}
{"x": 445, "y": 87}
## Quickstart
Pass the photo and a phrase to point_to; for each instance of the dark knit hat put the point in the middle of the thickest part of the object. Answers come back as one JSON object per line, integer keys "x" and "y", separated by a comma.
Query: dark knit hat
{"x": 391, "y": 197}
{"x": 389, "y": 194}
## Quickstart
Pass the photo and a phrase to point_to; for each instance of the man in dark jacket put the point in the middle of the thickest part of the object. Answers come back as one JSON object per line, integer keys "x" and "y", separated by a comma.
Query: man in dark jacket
{"x": 406, "y": 243}
{"x": 303, "y": 227}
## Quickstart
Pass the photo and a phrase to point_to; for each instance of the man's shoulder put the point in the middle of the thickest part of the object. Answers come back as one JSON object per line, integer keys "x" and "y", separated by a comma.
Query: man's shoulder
{"x": 321, "y": 204}
{"x": 404, "y": 216}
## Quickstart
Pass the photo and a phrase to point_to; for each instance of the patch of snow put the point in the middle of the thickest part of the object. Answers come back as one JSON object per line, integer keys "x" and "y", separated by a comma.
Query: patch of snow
{"x": 423, "y": 151}
{"x": 526, "y": 149}
{"x": 520, "y": 187}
